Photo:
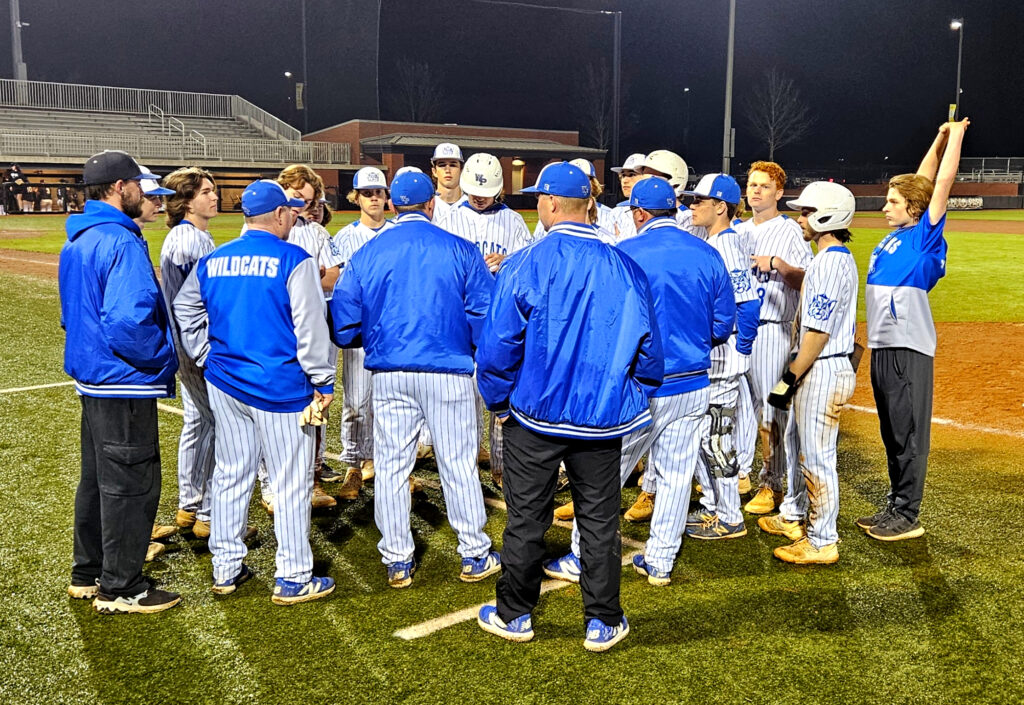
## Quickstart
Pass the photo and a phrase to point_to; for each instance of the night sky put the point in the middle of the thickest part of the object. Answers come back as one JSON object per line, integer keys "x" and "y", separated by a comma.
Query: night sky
{"x": 879, "y": 74}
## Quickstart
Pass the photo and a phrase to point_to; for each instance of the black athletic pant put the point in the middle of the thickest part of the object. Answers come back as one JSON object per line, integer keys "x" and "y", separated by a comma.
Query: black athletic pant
{"x": 902, "y": 381}
{"x": 530, "y": 474}
{"x": 118, "y": 492}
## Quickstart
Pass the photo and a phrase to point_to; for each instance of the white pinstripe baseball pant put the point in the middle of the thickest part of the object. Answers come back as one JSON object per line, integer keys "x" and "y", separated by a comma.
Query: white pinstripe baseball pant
{"x": 357, "y": 408}
{"x": 721, "y": 494}
{"x": 673, "y": 440}
{"x": 195, "y": 447}
{"x": 244, "y": 435}
{"x": 816, "y": 406}
{"x": 403, "y": 402}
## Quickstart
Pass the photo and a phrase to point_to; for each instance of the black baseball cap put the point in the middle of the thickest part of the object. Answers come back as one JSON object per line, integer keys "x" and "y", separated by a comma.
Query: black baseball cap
{"x": 112, "y": 165}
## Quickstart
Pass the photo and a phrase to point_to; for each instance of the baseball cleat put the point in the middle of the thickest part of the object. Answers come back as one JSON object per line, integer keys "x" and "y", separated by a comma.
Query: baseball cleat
{"x": 423, "y": 452}
{"x": 803, "y": 552}
{"x": 764, "y": 501}
{"x": 896, "y": 527}
{"x": 154, "y": 551}
{"x": 744, "y": 484}
{"x": 483, "y": 456}
{"x": 85, "y": 591}
{"x": 658, "y": 578}
{"x": 869, "y": 521}
{"x": 415, "y": 485}
{"x": 288, "y": 593}
{"x": 226, "y": 587}
{"x": 201, "y": 529}
{"x": 476, "y": 569}
{"x": 367, "y": 470}
{"x": 642, "y": 509}
{"x": 185, "y": 518}
{"x": 519, "y": 629}
{"x": 146, "y": 602}
{"x": 699, "y": 516}
{"x": 400, "y": 574}
{"x": 329, "y": 474}
{"x": 565, "y": 512}
{"x": 353, "y": 483}
{"x": 566, "y": 568}
{"x": 716, "y": 529}
{"x": 322, "y": 500}
{"x": 563, "y": 478}
{"x": 161, "y": 531}
{"x": 778, "y": 525}
{"x": 601, "y": 637}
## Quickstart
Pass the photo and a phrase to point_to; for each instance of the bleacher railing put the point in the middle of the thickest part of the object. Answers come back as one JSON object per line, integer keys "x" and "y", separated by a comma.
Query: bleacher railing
{"x": 112, "y": 99}
{"x": 992, "y": 169}
{"x": 143, "y": 146}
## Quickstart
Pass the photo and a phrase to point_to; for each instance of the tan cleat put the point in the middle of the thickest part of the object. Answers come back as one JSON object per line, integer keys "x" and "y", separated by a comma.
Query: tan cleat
{"x": 778, "y": 525}
{"x": 185, "y": 519}
{"x": 353, "y": 483}
{"x": 201, "y": 530}
{"x": 322, "y": 500}
{"x": 744, "y": 485}
{"x": 764, "y": 501}
{"x": 698, "y": 488}
{"x": 154, "y": 551}
{"x": 642, "y": 509}
{"x": 423, "y": 452}
{"x": 803, "y": 553}
{"x": 565, "y": 513}
{"x": 160, "y": 531}
{"x": 84, "y": 592}
{"x": 484, "y": 456}
{"x": 368, "y": 471}
{"x": 415, "y": 485}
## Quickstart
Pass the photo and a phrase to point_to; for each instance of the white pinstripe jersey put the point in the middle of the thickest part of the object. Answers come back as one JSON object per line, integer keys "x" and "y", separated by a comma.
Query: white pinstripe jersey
{"x": 735, "y": 249}
{"x": 184, "y": 245}
{"x": 314, "y": 239}
{"x": 828, "y": 301}
{"x": 442, "y": 209}
{"x": 605, "y": 226}
{"x": 353, "y": 236}
{"x": 779, "y": 237}
{"x": 498, "y": 230}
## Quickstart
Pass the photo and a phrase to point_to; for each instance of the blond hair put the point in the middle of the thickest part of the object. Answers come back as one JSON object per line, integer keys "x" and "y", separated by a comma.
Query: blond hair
{"x": 916, "y": 189}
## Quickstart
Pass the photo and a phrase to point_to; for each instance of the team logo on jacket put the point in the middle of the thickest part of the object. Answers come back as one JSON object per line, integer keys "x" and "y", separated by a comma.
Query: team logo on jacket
{"x": 821, "y": 307}
{"x": 740, "y": 280}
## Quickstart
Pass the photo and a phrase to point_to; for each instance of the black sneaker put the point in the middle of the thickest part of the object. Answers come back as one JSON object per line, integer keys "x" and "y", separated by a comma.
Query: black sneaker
{"x": 146, "y": 602}
{"x": 896, "y": 527}
{"x": 329, "y": 474}
{"x": 867, "y": 522}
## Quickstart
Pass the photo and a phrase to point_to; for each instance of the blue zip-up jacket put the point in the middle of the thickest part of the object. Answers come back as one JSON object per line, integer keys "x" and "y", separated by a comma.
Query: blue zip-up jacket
{"x": 415, "y": 298}
{"x": 571, "y": 344}
{"x": 118, "y": 335}
{"x": 693, "y": 300}
{"x": 252, "y": 314}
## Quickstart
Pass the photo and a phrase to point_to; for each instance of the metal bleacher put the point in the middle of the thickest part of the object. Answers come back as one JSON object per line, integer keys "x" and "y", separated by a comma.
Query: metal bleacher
{"x": 51, "y": 122}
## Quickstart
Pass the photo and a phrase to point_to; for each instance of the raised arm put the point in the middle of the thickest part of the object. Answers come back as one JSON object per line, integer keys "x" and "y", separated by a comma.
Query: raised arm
{"x": 947, "y": 170}
{"x": 930, "y": 163}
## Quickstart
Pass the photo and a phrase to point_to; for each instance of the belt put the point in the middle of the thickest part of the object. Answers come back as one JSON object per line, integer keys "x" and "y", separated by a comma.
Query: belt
{"x": 683, "y": 375}
{"x": 763, "y": 322}
{"x": 829, "y": 357}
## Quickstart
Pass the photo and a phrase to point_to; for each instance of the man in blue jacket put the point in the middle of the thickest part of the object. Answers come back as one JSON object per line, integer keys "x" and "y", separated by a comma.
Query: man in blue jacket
{"x": 569, "y": 357}
{"x": 422, "y": 369}
{"x": 119, "y": 352}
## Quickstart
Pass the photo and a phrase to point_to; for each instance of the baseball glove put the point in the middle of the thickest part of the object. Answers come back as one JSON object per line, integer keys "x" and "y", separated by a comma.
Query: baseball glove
{"x": 313, "y": 415}
{"x": 718, "y": 448}
{"x": 782, "y": 393}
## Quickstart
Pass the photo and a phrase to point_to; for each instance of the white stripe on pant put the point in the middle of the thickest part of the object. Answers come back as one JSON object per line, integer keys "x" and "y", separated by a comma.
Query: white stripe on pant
{"x": 403, "y": 402}
{"x": 244, "y": 435}
{"x": 816, "y": 407}
{"x": 673, "y": 440}
{"x": 357, "y": 408}
{"x": 195, "y": 447}
{"x": 721, "y": 494}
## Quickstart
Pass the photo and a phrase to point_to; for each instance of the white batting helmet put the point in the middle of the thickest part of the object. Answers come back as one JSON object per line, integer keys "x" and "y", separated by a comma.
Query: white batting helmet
{"x": 482, "y": 176}
{"x": 670, "y": 164}
{"x": 834, "y": 206}
{"x": 586, "y": 166}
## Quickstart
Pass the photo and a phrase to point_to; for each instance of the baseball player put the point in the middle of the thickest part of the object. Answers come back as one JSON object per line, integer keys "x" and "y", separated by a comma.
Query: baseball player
{"x": 446, "y": 168}
{"x": 251, "y": 315}
{"x": 695, "y": 309}
{"x": 904, "y": 267}
{"x": 599, "y": 214}
{"x": 820, "y": 380}
{"x": 370, "y": 194}
{"x": 780, "y": 257}
{"x": 421, "y": 373}
{"x": 120, "y": 354}
{"x": 628, "y": 173}
{"x": 569, "y": 358}
{"x": 715, "y": 200}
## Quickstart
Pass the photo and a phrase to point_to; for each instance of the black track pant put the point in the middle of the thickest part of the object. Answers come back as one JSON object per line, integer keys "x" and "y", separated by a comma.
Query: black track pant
{"x": 902, "y": 381}
{"x": 530, "y": 474}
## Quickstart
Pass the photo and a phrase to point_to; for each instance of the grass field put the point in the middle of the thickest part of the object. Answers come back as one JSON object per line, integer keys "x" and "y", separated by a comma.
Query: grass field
{"x": 936, "y": 620}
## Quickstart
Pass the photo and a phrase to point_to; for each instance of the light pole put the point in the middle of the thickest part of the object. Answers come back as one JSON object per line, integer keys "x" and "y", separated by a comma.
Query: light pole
{"x": 727, "y": 132}
{"x": 957, "y": 25}
{"x": 686, "y": 123}
{"x": 290, "y": 77}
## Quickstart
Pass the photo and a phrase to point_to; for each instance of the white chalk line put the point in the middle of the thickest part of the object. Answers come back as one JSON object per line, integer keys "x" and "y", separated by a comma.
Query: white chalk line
{"x": 29, "y": 261}
{"x": 38, "y": 386}
{"x": 950, "y": 423}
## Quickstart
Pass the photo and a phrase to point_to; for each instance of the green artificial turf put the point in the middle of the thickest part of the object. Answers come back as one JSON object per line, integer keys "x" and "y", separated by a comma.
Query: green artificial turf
{"x": 934, "y": 620}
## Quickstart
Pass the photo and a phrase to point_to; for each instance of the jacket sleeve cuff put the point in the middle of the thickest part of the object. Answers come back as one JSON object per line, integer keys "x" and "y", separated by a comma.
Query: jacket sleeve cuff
{"x": 499, "y": 409}
{"x": 326, "y": 389}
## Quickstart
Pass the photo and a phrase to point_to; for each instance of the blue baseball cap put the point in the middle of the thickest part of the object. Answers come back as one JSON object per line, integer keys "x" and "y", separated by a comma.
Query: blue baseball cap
{"x": 411, "y": 188}
{"x": 720, "y": 186}
{"x": 653, "y": 193}
{"x": 561, "y": 179}
{"x": 264, "y": 196}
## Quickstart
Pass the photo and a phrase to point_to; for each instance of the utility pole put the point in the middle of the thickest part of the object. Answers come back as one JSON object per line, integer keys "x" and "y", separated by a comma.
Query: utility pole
{"x": 305, "y": 74}
{"x": 727, "y": 137}
{"x": 20, "y": 69}
{"x": 616, "y": 92}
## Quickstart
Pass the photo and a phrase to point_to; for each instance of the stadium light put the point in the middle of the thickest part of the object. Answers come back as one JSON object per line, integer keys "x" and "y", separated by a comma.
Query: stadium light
{"x": 957, "y": 25}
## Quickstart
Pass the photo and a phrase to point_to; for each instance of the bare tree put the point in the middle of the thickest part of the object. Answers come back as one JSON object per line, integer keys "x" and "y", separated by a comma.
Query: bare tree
{"x": 416, "y": 92}
{"x": 593, "y": 101}
{"x": 776, "y": 113}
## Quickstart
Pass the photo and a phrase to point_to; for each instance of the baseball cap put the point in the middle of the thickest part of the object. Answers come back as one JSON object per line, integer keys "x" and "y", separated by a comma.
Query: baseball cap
{"x": 411, "y": 188}
{"x": 150, "y": 184}
{"x": 586, "y": 166}
{"x": 561, "y": 179}
{"x": 633, "y": 163}
{"x": 720, "y": 186}
{"x": 109, "y": 166}
{"x": 653, "y": 193}
{"x": 264, "y": 196}
{"x": 406, "y": 169}
{"x": 447, "y": 150}
{"x": 369, "y": 177}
